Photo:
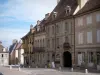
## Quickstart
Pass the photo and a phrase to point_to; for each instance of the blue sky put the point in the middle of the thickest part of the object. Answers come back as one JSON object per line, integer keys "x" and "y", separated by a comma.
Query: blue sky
{"x": 16, "y": 16}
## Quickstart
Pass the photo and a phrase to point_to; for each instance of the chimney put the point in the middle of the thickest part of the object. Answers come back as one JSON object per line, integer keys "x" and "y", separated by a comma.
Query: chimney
{"x": 58, "y": 1}
{"x": 81, "y": 3}
{"x": 31, "y": 27}
{"x": 47, "y": 15}
{"x": 38, "y": 22}
{"x": 0, "y": 42}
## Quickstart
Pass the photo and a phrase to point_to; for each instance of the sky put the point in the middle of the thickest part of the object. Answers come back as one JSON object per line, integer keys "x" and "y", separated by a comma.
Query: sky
{"x": 16, "y": 16}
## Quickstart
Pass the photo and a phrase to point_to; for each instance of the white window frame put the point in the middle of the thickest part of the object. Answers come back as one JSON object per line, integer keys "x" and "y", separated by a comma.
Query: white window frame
{"x": 89, "y": 19}
{"x": 98, "y": 17}
{"x": 89, "y": 37}
{"x": 98, "y": 36}
{"x": 80, "y": 38}
{"x": 80, "y": 21}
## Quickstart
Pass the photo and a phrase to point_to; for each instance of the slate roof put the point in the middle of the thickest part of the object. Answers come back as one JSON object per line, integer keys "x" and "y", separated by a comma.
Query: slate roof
{"x": 12, "y": 47}
{"x": 89, "y": 6}
{"x": 61, "y": 12}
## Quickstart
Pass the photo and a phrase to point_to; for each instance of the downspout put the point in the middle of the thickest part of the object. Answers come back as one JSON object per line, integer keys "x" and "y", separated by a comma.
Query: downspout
{"x": 74, "y": 39}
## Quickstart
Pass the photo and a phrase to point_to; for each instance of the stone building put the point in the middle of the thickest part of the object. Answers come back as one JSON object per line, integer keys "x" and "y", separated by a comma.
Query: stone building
{"x": 12, "y": 53}
{"x": 39, "y": 51}
{"x": 69, "y": 36}
{"x": 4, "y": 56}
{"x": 60, "y": 34}
{"x": 87, "y": 34}
{"x": 27, "y": 45}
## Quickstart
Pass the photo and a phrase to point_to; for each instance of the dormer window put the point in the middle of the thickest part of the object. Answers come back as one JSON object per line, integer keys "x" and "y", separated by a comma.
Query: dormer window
{"x": 54, "y": 15}
{"x": 68, "y": 9}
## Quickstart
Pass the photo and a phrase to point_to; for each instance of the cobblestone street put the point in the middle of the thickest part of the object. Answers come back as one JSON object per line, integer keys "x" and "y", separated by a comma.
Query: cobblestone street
{"x": 39, "y": 71}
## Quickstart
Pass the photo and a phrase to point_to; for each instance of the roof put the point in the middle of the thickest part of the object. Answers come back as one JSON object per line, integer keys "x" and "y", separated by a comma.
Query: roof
{"x": 1, "y": 47}
{"x": 26, "y": 35}
{"x": 89, "y": 6}
{"x": 60, "y": 9}
{"x": 42, "y": 24}
{"x": 12, "y": 47}
{"x": 18, "y": 46}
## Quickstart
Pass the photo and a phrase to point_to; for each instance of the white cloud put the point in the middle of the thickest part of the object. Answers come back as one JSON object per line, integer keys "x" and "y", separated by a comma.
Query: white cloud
{"x": 23, "y": 10}
{"x": 29, "y": 9}
{"x": 10, "y": 34}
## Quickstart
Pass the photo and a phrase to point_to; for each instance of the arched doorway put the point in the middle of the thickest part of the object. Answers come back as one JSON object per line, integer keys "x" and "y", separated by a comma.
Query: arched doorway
{"x": 67, "y": 59}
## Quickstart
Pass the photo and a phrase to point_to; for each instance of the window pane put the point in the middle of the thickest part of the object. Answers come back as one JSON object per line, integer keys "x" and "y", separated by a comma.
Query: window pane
{"x": 89, "y": 37}
{"x": 98, "y": 17}
{"x": 98, "y": 36}
{"x": 89, "y": 20}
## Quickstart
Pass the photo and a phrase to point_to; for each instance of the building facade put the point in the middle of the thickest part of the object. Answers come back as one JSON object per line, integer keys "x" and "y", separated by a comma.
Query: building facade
{"x": 39, "y": 51}
{"x": 27, "y": 45}
{"x": 69, "y": 36}
{"x": 4, "y": 56}
{"x": 60, "y": 34}
{"x": 87, "y": 35}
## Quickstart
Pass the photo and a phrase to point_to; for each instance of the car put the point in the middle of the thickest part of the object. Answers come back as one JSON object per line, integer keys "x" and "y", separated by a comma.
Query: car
{"x": 1, "y": 73}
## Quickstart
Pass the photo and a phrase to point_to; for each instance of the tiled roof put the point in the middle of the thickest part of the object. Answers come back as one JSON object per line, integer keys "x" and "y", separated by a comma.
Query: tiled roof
{"x": 60, "y": 9}
{"x": 18, "y": 46}
{"x": 89, "y": 6}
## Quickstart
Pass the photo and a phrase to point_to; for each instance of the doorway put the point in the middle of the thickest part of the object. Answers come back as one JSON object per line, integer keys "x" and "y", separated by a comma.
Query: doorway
{"x": 67, "y": 59}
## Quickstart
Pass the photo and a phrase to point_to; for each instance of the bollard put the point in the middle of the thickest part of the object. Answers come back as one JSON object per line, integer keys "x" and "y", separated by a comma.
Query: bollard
{"x": 86, "y": 71}
{"x": 59, "y": 68}
{"x": 18, "y": 68}
{"x": 29, "y": 66}
{"x": 10, "y": 67}
{"x": 71, "y": 69}
{"x": 36, "y": 66}
{"x": 45, "y": 66}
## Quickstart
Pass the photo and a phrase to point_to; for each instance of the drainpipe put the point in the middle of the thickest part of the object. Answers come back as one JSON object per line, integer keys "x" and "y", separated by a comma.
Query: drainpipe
{"x": 55, "y": 43}
{"x": 74, "y": 40}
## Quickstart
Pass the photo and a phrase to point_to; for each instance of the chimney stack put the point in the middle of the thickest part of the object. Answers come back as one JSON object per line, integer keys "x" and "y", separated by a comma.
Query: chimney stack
{"x": 31, "y": 27}
{"x": 58, "y": 1}
{"x": 38, "y": 22}
{"x": 47, "y": 15}
{"x": 0, "y": 42}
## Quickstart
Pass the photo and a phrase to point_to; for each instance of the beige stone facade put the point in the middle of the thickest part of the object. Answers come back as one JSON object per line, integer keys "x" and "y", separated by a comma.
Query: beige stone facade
{"x": 69, "y": 36}
{"x": 87, "y": 38}
{"x": 58, "y": 34}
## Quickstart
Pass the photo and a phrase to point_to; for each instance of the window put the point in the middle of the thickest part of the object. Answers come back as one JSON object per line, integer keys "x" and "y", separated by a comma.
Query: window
{"x": 57, "y": 28}
{"x": 98, "y": 36}
{"x": 98, "y": 58}
{"x": 2, "y": 55}
{"x": 52, "y": 43}
{"x": 66, "y": 39}
{"x": 66, "y": 26}
{"x": 89, "y": 20}
{"x": 89, "y": 37}
{"x": 90, "y": 57}
{"x": 57, "y": 42}
{"x": 98, "y": 17}
{"x": 80, "y": 38}
{"x": 80, "y": 21}
{"x": 52, "y": 29}
{"x": 48, "y": 45}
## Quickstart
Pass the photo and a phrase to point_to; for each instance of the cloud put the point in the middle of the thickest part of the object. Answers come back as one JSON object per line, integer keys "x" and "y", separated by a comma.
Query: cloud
{"x": 29, "y": 9}
{"x": 17, "y": 15}
{"x": 10, "y": 34}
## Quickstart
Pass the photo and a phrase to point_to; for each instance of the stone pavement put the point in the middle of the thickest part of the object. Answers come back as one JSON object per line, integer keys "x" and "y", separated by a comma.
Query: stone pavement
{"x": 7, "y": 71}
{"x": 40, "y": 71}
